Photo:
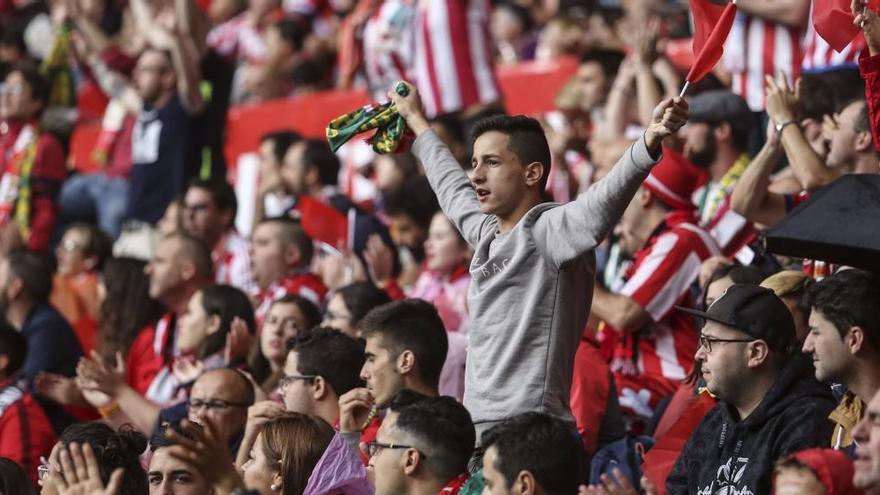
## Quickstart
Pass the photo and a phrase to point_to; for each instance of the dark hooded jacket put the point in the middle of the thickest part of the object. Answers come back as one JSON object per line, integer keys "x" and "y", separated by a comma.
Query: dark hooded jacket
{"x": 726, "y": 456}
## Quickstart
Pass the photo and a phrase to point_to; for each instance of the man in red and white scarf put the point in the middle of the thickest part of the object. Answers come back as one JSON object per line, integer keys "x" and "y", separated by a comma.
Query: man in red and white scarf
{"x": 31, "y": 162}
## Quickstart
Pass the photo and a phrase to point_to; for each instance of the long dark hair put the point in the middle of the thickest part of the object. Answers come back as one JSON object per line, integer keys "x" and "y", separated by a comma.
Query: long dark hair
{"x": 228, "y": 303}
{"x": 113, "y": 450}
{"x": 261, "y": 370}
{"x": 13, "y": 479}
{"x": 128, "y": 307}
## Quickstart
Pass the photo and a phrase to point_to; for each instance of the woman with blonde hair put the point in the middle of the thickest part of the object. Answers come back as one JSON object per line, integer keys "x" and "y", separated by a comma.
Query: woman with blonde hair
{"x": 791, "y": 286}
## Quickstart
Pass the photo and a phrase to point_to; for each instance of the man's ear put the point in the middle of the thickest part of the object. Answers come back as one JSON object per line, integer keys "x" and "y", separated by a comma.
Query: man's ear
{"x": 758, "y": 352}
{"x": 4, "y": 363}
{"x": 855, "y": 340}
{"x": 723, "y": 132}
{"x": 524, "y": 484}
{"x": 645, "y": 198}
{"x": 214, "y": 322}
{"x": 864, "y": 141}
{"x": 321, "y": 388}
{"x": 406, "y": 362}
{"x": 15, "y": 288}
{"x": 534, "y": 172}
{"x": 292, "y": 255}
{"x": 411, "y": 460}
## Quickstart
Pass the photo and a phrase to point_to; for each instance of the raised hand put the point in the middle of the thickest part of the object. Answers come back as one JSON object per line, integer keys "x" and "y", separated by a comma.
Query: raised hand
{"x": 380, "y": 260}
{"x": 238, "y": 342}
{"x": 207, "y": 454}
{"x": 783, "y": 103}
{"x": 60, "y": 389}
{"x": 80, "y": 475}
{"x": 96, "y": 374}
{"x": 410, "y": 108}
{"x": 355, "y": 408}
{"x": 261, "y": 412}
{"x": 669, "y": 116}
{"x": 868, "y": 21}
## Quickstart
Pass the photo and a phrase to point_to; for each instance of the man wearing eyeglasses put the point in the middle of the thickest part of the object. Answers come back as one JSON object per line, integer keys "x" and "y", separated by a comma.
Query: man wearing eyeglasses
{"x": 222, "y": 396}
{"x": 770, "y": 404}
{"x": 422, "y": 447}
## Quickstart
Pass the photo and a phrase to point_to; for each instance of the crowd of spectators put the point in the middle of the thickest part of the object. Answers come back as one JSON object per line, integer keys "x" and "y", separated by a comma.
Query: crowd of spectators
{"x": 576, "y": 302}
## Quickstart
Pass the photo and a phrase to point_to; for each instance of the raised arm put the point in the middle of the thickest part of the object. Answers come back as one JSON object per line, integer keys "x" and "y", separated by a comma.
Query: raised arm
{"x": 115, "y": 85}
{"x": 783, "y": 108}
{"x": 452, "y": 186}
{"x": 570, "y": 230}
{"x": 751, "y": 197}
{"x": 185, "y": 57}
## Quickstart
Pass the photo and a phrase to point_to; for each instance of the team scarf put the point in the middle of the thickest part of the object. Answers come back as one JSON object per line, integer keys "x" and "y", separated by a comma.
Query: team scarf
{"x": 56, "y": 69}
{"x": 391, "y": 134}
{"x": 16, "y": 189}
{"x": 708, "y": 206}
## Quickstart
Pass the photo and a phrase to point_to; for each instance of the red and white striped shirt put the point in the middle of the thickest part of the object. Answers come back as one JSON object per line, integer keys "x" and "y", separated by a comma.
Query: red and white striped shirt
{"x": 732, "y": 232}
{"x": 232, "y": 262}
{"x": 819, "y": 56}
{"x": 389, "y": 46}
{"x": 453, "y": 58}
{"x": 660, "y": 279}
{"x": 756, "y": 48}
{"x": 238, "y": 39}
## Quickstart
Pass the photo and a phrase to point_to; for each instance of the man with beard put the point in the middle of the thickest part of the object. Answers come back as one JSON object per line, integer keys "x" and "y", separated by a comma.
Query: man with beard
{"x": 25, "y": 284}
{"x": 716, "y": 139}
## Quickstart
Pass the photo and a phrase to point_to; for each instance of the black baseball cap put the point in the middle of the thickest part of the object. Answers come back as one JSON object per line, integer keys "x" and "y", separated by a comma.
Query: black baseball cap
{"x": 754, "y": 310}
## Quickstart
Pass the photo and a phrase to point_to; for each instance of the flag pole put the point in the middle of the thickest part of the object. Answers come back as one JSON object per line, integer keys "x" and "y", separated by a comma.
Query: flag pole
{"x": 684, "y": 89}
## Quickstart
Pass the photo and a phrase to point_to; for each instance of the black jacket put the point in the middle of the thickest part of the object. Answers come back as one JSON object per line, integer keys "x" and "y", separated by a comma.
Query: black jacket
{"x": 725, "y": 456}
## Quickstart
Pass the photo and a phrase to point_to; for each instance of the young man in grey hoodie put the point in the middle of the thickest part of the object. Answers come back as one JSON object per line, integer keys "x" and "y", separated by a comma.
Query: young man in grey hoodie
{"x": 533, "y": 268}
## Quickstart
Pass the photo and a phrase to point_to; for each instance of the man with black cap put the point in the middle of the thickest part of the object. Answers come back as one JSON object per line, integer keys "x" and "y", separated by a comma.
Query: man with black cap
{"x": 716, "y": 139}
{"x": 770, "y": 405}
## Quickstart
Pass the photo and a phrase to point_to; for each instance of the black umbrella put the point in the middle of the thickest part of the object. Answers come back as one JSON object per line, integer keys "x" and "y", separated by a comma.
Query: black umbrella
{"x": 839, "y": 224}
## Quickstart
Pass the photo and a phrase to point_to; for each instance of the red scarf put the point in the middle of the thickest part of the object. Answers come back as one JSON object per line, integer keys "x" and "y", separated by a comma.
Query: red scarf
{"x": 454, "y": 486}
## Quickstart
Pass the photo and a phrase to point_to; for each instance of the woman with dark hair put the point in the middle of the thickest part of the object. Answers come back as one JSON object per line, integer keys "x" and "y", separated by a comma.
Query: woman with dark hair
{"x": 113, "y": 450}
{"x": 13, "y": 480}
{"x": 126, "y": 306}
{"x": 350, "y": 304}
{"x": 209, "y": 318}
{"x": 210, "y": 315}
{"x": 294, "y": 454}
{"x": 287, "y": 317}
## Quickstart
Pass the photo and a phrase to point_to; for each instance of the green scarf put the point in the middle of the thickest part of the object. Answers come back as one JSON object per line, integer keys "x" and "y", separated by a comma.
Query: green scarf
{"x": 391, "y": 134}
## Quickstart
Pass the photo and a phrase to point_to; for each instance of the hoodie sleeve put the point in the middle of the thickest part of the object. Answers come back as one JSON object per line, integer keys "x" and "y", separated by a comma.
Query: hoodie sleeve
{"x": 677, "y": 481}
{"x": 807, "y": 426}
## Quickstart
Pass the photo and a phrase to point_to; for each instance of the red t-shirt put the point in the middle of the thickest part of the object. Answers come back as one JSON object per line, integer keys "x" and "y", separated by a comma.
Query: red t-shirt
{"x": 148, "y": 353}
{"x": 25, "y": 431}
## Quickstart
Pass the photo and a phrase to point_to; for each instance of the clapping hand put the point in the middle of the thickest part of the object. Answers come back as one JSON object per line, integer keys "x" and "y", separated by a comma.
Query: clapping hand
{"x": 80, "y": 475}
{"x": 783, "y": 103}
{"x": 618, "y": 486}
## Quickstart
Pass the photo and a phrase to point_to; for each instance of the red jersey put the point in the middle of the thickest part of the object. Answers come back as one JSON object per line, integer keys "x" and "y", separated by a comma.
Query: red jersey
{"x": 649, "y": 363}
{"x": 25, "y": 431}
{"x": 150, "y": 352}
{"x": 757, "y": 48}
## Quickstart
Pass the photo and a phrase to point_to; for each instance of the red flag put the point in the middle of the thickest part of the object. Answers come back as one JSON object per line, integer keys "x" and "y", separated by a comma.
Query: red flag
{"x": 706, "y": 15}
{"x": 713, "y": 45}
{"x": 321, "y": 221}
{"x": 833, "y": 21}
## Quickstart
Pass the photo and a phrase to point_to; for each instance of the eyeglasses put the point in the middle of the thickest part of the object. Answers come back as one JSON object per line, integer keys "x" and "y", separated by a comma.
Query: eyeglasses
{"x": 69, "y": 246}
{"x": 14, "y": 89}
{"x": 45, "y": 468}
{"x": 374, "y": 447}
{"x": 196, "y": 207}
{"x": 288, "y": 379}
{"x": 213, "y": 404}
{"x": 707, "y": 341}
